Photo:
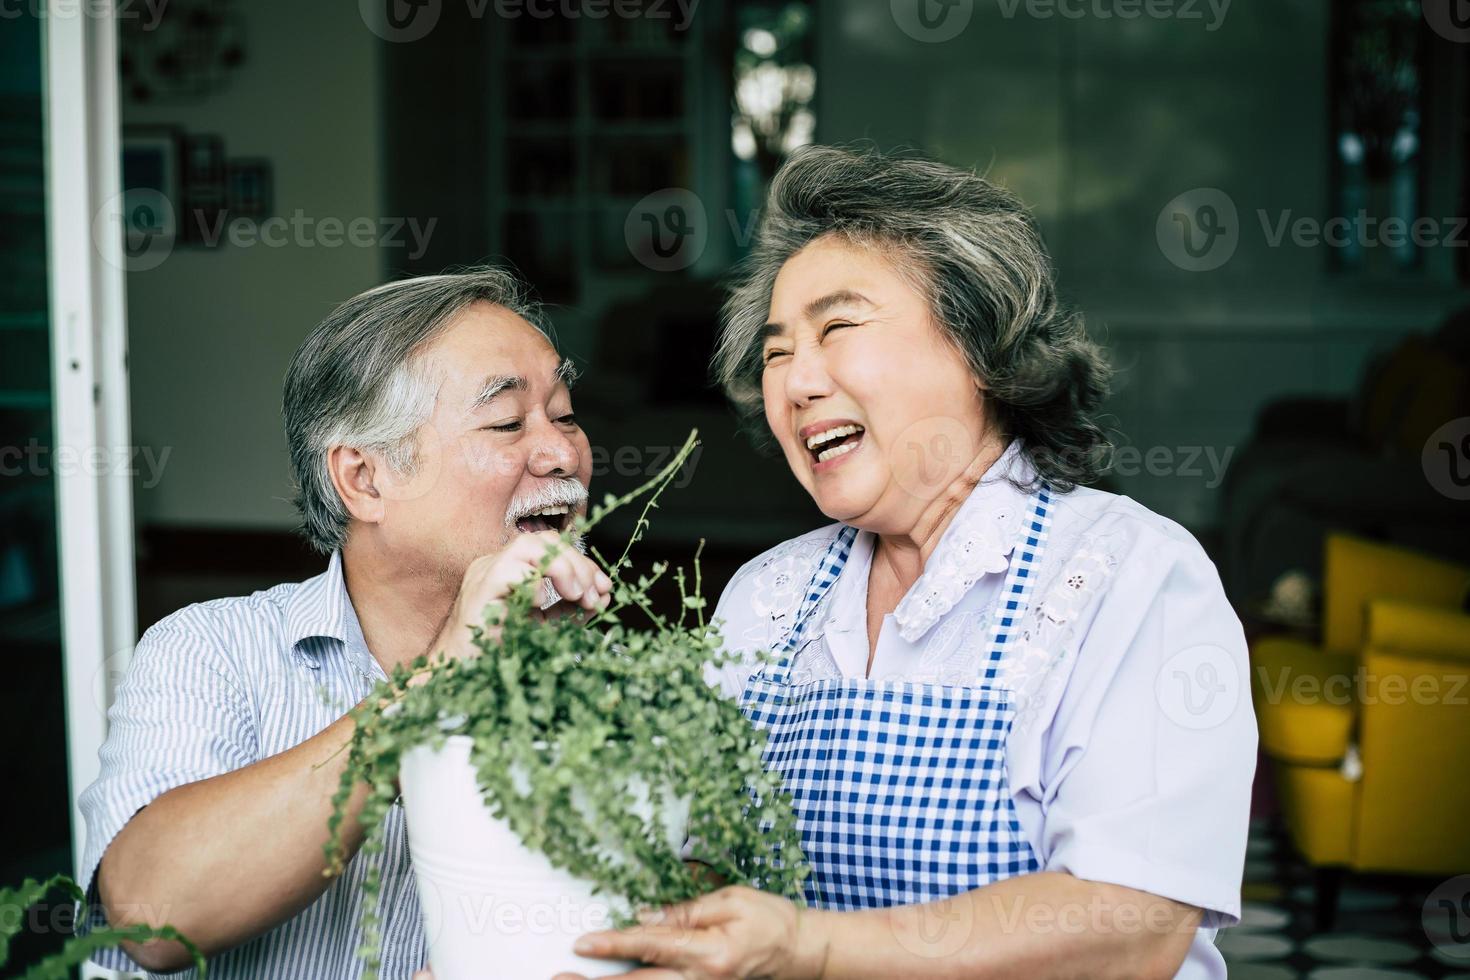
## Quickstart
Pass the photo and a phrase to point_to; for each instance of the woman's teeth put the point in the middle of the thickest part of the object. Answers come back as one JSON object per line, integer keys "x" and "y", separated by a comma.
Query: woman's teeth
{"x": 836, "y": 451}
{"x": 832, "y": 439}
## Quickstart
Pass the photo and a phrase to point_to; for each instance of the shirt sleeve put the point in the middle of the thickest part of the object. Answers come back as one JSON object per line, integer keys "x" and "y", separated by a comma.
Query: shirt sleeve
{"x": 1153, "y": 749}
{"x": 180, "y": 716}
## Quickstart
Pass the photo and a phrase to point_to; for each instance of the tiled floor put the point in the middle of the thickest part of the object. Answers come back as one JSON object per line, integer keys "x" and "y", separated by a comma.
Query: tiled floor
{"x": 1381, "y": 932}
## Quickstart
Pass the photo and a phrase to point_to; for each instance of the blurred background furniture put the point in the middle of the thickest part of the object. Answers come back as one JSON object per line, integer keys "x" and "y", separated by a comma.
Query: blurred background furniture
{"x": 1314, "y": 464}
{"x": 1366, "y": 730}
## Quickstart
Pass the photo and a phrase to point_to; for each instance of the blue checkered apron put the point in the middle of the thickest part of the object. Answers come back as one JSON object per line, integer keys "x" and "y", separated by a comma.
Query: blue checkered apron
{"x": 899, "y": 788}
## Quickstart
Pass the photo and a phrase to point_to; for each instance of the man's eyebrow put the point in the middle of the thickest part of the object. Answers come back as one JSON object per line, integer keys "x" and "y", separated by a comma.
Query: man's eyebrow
{"x": 495, "y": 386}
{"x": 567, "y": 373}
{"x": 817, "y": 307}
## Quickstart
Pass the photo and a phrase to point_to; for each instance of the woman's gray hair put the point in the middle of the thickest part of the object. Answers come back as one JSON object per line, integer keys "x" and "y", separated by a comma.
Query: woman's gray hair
{"x": 358, "y": 380}
{"x": 973, "y": 250}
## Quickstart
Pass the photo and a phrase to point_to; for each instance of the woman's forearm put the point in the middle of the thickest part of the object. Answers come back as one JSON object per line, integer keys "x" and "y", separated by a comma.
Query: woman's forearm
{"x": 229, "y": 857}
{"x": 1043, "y": 925}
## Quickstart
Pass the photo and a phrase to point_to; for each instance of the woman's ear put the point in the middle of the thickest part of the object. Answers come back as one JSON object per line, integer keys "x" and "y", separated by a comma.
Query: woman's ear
{"x": 354, "y": 474}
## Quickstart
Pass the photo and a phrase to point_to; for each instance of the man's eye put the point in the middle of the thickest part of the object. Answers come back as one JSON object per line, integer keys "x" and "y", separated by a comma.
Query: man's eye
{"x": 834, "y": 326}
{"x": 506, "y": 427}
{"x": 568, "y": 420}
{"x": 771, "y": 355}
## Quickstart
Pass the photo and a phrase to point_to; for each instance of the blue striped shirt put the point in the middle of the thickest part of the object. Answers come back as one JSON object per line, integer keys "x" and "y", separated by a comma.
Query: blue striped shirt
{"x": 217, "y": 686}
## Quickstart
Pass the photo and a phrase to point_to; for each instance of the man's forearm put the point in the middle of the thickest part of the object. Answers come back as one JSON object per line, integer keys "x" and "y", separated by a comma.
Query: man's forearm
{"x": 229, "y": 857}
{"x": 1044, "y": 925}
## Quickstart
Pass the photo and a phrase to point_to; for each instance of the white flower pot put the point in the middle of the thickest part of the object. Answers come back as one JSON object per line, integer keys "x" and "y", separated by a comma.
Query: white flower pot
{"x": 492, "y": 907}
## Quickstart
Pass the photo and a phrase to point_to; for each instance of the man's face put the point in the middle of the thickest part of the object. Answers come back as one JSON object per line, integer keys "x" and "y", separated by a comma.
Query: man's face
{"x": 501, "y": 446}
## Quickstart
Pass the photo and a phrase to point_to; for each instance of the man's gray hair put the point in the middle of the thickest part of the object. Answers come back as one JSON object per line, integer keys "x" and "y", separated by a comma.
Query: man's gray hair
{"x": 358, "y": 380}
{"x": 973, "y": 251}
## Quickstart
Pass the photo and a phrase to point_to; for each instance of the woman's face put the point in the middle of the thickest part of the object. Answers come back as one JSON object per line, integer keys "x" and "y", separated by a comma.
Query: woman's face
{"x": 875, "y": 409}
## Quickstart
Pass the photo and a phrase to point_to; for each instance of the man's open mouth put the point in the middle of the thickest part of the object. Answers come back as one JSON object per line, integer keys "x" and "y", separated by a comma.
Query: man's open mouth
{"x": 554, "y": 518}
{"x": 836, "y": 441}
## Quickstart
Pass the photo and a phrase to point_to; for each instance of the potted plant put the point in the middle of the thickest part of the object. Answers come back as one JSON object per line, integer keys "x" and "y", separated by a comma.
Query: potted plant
{"x": 549, "y": 781}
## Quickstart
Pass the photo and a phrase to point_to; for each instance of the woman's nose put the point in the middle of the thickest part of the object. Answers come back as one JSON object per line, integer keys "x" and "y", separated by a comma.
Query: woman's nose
{"x": 806, "y": 376}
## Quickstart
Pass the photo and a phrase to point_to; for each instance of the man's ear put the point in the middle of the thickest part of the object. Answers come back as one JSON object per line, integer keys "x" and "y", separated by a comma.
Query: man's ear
{"x": 355, "y": 474}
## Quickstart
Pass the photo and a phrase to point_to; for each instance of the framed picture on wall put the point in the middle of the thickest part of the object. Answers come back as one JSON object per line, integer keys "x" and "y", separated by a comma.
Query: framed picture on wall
{"x": 248, "y": 188}
{"x": 151, "y": 187}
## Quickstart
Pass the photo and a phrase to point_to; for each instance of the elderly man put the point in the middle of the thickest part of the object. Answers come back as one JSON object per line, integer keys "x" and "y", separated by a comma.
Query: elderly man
{"x": 436, "y": 457}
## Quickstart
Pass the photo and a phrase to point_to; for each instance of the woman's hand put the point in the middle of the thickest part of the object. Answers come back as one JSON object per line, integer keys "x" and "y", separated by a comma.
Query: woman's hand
{"x": 734, "y": 932}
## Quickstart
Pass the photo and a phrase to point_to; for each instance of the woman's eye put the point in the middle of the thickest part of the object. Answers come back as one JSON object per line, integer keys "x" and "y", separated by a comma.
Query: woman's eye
{"x": 771, "y": 355}
{"x": 835, "y": 326}
{"x": 568, "y": 420}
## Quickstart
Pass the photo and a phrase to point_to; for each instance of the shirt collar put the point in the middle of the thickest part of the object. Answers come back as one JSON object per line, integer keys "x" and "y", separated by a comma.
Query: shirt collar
{"x": 320, "y": 608}
{"x": 977, "y": 542}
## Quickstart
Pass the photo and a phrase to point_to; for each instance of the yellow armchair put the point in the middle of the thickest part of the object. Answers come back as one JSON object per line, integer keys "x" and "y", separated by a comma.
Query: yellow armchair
{"x": 1367, "y": 733}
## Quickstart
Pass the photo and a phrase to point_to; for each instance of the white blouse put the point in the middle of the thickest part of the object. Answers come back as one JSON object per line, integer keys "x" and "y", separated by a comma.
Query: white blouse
{"x": 1134, "y": 744}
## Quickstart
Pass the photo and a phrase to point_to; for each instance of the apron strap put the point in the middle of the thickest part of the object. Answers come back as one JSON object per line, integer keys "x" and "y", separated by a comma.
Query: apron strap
{"x": 1016, "y": 593}
{"x": 824, "y": 576}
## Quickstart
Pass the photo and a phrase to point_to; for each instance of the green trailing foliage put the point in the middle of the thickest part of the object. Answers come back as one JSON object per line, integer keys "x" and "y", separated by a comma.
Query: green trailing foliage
{"x": 590, "y": 737}
{"x": 58, "y": 966}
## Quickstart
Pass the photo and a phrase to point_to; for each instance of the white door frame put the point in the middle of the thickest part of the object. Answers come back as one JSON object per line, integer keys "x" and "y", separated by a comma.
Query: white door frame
{"x": 89, "y": 383}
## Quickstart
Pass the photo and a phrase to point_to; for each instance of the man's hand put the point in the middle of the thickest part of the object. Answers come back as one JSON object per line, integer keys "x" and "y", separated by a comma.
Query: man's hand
{"x": 490, "y": 578}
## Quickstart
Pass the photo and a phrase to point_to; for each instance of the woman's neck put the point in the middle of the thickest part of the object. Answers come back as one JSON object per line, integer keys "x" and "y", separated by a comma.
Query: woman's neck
{"x": 900, "y": 557}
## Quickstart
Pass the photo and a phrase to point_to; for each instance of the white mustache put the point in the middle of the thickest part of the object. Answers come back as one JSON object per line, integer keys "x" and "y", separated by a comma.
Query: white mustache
{"x": 564, "y": 492}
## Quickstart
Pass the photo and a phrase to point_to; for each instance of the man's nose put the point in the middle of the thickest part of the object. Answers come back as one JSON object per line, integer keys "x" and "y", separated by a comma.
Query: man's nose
{"x": 554, "y": 453}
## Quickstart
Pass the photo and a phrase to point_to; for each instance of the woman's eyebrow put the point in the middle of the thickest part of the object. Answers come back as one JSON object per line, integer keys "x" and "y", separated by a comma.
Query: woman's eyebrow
{"x": 818, "y": 306}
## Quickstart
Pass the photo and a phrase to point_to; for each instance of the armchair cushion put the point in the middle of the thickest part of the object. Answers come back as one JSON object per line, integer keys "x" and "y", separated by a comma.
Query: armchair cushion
{"x": 1304, "y": 700}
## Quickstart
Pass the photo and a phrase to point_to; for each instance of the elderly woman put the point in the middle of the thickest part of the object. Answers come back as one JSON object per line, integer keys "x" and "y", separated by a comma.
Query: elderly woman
{"x": 1008, "y": 707}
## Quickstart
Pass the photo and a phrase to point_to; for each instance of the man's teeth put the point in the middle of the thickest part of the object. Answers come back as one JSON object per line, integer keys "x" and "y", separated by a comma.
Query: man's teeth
{"x": 836, "y": 451}
{"x": 550, "y": 511}
{"x": 822, "y": 438}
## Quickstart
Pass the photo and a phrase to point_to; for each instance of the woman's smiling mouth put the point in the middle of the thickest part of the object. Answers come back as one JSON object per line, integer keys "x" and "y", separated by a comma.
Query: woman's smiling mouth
{"x": 831, "y": 441}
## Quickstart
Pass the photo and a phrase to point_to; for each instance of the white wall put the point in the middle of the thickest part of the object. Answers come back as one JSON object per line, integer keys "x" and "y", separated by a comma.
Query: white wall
{"x": 1098, "y": 123}
{"x": 212, "y": 329}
